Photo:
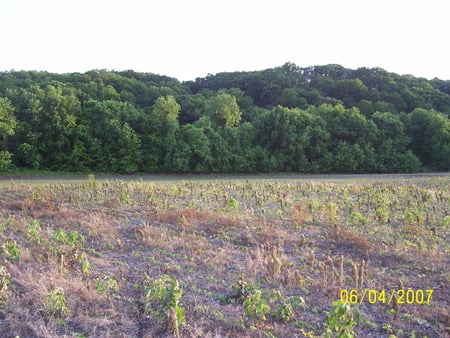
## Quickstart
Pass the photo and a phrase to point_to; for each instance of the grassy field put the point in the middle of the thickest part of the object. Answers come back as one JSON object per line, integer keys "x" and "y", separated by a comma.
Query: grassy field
{"x": 202, "y": 256}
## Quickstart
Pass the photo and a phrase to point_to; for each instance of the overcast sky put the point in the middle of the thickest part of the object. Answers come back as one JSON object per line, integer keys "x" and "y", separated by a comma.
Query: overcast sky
{"x": 191, "y": 38}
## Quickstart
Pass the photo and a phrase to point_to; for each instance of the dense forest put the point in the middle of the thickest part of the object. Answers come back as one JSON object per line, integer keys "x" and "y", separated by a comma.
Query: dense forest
{"x": 322, "y": 119}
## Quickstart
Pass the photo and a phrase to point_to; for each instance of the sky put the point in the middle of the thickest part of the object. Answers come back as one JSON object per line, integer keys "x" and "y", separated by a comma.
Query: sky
{"x": 187, "y": 39}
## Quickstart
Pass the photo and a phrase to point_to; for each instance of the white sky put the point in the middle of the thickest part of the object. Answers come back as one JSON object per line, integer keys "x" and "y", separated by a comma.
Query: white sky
{"x": 191, "y": 38}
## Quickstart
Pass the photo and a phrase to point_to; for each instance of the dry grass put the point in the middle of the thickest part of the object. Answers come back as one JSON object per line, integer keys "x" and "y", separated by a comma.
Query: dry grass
{"x": 304, "y": 240}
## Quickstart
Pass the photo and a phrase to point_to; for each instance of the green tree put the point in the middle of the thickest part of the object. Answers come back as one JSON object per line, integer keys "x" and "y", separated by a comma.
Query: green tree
{"x": 7, "y": 120}
{"x": 199, "y": 146}
{"x": 346, "y": 124}
{"x": 111, "y": 144}
{"x": 296, "y": 139}
{"x": 347, "y": 157}
{"x": 391, "y": 145}
{"x": 192, "y": 108}
{"x": 219, "y": 150}
{"x": 430, "y": 137}
{"x": 224, "y": 110}
{"x": 291, "y": 98}
{"x": 159, "y": 140}
{"x": 25, "y": 141}
{"x": 8, "y": 124}
{"x": 60, "y": 109}
{"x": 350, "y": 132}
{"x": 166, "y": 108}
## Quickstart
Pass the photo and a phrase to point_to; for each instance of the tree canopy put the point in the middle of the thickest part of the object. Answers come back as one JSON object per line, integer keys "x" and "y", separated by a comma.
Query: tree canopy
{"x": 314, "y": 119}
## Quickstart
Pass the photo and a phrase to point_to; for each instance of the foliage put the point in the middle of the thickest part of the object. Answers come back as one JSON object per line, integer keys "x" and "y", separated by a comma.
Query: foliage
{"x": 430, "y": 135}
{"x": 233, "y": 204}
{"x": 7, "y": 119}
{"x": 56, "y": 303}
{"x": 11, "y": 249}
{"x": 314, "y": 119}
{"x": 33, "y": 231}
{"x": 5, "y": 160}
{"x": 224, "y": 110}
{"x": 71, "y": 238}
{"x": 342, "y": 319}
{"x": 285, "y": 310}
{"x": 163, "y": 299}
{"x": 255, "y": 306}
{"x": 240, "y": 289}
{"x": 8, "y": 124}
{"x": 104, "y": 285}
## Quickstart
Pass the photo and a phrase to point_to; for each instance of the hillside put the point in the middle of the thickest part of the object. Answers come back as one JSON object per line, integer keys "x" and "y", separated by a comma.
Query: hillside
{"x": 326, "y": 119}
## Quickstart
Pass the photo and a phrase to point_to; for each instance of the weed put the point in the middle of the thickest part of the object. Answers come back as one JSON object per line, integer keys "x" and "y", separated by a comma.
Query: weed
{"x": 91, "y": 181}
{"x": 85, "y": 265}
{"x": 12, "y": 249}
{"x": 413, "y": 217}
{"x": 56, "y": 303}
{"x": 125, "y": 198}
{"x": 36, "y": 194}
{"x": 5, "y": 277}
{"x": 219, "y": 315}
{"x": 272, "y": 260}
{"x": 240, "y": 290}
{"x": 33, "y": 232}
{"x": 70, "y": 238}
{"x": 358, "y": 218}
{"x": 341, "y": 320}
{"x": 382, "y": 214}
{"x": 163, "y": 300}
{"x": 255, "y": 306}
{"x": 331, "y": 209}
{"x": 285, "y": 311}
{"x": 233, "y": 204}
{"x": 106, "y": 284}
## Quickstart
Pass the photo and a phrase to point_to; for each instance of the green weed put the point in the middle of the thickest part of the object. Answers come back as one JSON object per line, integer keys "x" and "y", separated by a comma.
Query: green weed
{"x": 56, "y": 304}
{"x": 233, "y": 204}
{"x": 284, "y": 311}
{"x": 255, "y": 306}
{"x": 106, "y": 285}
{"x": 34, "y": 232}
{"x": 11, "y": 249}
{"x": 342, "y": 320}
{"x": 163, "y": 301}
{"x": 71, "y": 238}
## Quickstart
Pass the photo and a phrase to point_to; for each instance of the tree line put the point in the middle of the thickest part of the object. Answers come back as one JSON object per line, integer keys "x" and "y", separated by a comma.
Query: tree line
{"x": 322, "y": 119}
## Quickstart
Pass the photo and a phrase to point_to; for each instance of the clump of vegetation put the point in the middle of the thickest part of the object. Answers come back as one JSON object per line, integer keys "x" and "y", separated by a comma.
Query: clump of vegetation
{"x": 163, "y": 301}
{"x": 256, "y": 306}
{"x": 11, "y": 249}
{"x": 56, "y": 303}
{"x": 285, "y": 310}
{"x": 341, "y": 320}
{"x": 106, "y": 285}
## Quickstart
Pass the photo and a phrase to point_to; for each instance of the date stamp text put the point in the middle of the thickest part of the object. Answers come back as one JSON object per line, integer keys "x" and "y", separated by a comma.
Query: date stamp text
{"x": 373, "y": 296}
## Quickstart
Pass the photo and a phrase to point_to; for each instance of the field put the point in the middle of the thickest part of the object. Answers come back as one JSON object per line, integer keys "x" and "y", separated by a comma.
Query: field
{"x": 260, "y": 256}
